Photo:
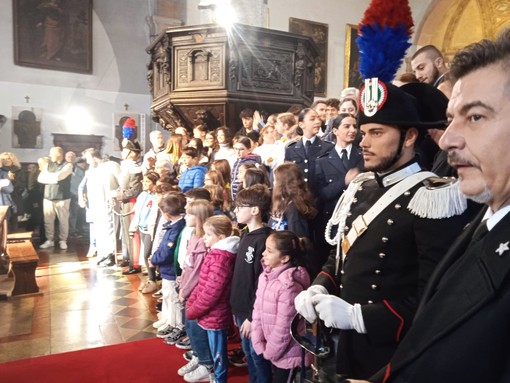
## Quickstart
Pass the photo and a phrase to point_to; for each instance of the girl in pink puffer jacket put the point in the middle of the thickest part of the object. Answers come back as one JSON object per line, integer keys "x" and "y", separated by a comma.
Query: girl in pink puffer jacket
{"x": 282, "y": 280}
{"x": 209, "y": 300}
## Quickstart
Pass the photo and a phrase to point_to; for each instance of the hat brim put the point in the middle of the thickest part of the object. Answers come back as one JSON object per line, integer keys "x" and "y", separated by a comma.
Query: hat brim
{"x": 362, "y": 120}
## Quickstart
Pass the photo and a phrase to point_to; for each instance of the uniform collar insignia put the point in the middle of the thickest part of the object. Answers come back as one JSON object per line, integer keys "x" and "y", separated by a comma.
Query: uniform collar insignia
{"x": 392, "y": 178}
{"x": 502, "y": 248}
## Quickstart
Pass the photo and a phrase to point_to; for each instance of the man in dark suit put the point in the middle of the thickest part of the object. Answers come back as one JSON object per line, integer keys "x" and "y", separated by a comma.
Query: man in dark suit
{"x": 388, "y": 239}
{"x": 304, "y": 152}
{"x": 461, "y": 329}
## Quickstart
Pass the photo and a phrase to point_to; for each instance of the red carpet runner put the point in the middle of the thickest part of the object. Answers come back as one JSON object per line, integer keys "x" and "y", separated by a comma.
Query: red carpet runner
{"x": 144, "y": 361}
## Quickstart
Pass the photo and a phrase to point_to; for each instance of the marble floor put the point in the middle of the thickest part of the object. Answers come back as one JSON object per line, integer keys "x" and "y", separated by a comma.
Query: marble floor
{"x": 79, "y": 306}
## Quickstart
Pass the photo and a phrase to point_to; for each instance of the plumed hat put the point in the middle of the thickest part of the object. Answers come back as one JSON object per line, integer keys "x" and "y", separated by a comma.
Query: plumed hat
{"x": 129, "y": 129}
{"x": 384, "y": 34}
{"x": 383, "y": 38}
{"x": 129, "y": 134}
{"x": 385, "y": 103}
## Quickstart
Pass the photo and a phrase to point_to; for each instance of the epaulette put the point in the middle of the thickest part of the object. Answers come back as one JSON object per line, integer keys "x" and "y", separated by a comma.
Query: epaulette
{"x": 291, "y": 143}
{"x": 439, "y": 198}
{"x": 324, "y": 155}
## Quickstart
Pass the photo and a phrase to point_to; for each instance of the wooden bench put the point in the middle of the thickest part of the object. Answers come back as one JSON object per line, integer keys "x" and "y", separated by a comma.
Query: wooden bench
{"x": 24, "y": 260}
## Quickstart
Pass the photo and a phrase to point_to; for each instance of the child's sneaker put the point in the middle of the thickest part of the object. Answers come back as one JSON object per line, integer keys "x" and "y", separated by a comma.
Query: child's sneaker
{"x": 184, "y": 343}
{"x": 188, "y": 355}
{"x": 150, "y": 287}
{"x": 175, "y": 336}
{"x": 190, "y": 366}
{"x": 199, "y": 374}
{"x": 236, "y": 357}
{"x": 142, "y": 285}
{"x": 165, "y": 331}
{"x": 159, "y": 323}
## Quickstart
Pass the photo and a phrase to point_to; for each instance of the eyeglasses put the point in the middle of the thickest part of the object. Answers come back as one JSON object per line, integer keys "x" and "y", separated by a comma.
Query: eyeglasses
{"x": 311, "y": 337}
{"x": 240, "y": 206}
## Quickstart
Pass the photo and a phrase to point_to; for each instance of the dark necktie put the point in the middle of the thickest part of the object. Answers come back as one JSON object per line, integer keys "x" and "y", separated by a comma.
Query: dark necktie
{"x": 345, "y": 160}
{"x": 307, "y": 146}
{"x": 480, "y": 231}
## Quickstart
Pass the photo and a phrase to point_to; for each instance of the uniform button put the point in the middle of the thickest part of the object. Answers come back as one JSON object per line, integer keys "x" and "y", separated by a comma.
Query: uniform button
{"x": 341, "y": 286}
{"x": 342, "y": 272}
{"x": 346, "y": 229}
{"x": 398, "y": 206}
{"x": 374, "y": 287}
{"x": 306, "y": 179}
{"x": 306, "y": 161}
{"x": 294, "y": 161}
{"x": 330, "y": 181}
{"x": 370, "y": 302}
{"x": 377, "y": 272}
{"x": 354, "y": 200}
{"x": 382, "y": 255}
{"x": 384, "y": 240}
{"x": 360, "y": 188}
{"x": 390, "y": 222}
{"x": 349, "y": 214}
{"x": 306, "y": 170}
{"x": 407, "y": 193}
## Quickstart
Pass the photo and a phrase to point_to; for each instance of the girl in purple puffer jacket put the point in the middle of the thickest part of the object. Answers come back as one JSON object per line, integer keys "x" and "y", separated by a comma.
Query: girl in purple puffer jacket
{"x": 283, "y": 278}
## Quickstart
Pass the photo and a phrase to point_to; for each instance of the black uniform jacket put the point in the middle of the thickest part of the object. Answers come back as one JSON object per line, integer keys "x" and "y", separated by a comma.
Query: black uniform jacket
{"x": 385, "y": 271}
{"x": 330, "y": 174}
{"x": 462, "y": 328}
{"x": 295, "y": 152}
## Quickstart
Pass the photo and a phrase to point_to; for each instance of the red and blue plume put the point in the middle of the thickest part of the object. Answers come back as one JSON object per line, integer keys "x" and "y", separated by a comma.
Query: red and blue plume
{"x": 129, "y": 129}
{"x": 383, "y": 38}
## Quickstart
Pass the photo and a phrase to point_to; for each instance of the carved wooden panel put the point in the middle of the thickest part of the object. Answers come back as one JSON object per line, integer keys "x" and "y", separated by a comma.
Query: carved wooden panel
{"x": 200, "y": 67}
{"x": 269, "y": 70}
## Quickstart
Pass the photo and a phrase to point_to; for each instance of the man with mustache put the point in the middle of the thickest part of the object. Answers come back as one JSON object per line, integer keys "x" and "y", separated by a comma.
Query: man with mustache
{"x": 395, "y": 223}
{"x": 460, "y": 332}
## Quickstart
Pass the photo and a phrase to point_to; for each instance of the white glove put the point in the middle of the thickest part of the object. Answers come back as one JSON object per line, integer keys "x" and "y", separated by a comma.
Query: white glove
{"x": 303, "y": 302}
{"x": 337, "y": 313}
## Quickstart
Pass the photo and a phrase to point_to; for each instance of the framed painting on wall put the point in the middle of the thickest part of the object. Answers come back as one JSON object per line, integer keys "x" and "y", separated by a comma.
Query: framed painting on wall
{"x": 352, "y": 76}
{"x": 319, "y": 34}
{"x": 53, "y": 34}
{"x": 26, "y": 127}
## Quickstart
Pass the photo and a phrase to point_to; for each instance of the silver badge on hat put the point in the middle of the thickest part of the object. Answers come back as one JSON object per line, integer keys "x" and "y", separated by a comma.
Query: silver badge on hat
{"x": 373, "y": 96}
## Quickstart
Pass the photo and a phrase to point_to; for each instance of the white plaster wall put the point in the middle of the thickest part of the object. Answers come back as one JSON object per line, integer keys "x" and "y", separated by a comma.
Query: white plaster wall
{"x": 120, "y": 36}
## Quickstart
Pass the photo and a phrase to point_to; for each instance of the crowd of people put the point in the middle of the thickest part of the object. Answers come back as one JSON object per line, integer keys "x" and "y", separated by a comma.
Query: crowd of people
{"x": 329, "y": 212}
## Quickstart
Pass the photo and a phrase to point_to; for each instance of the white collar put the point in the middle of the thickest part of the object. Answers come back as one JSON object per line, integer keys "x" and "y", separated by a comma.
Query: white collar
{"x": 493, "y": 218}
{"x": 312, "y": 140}
{"x": 339, "y": 149}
